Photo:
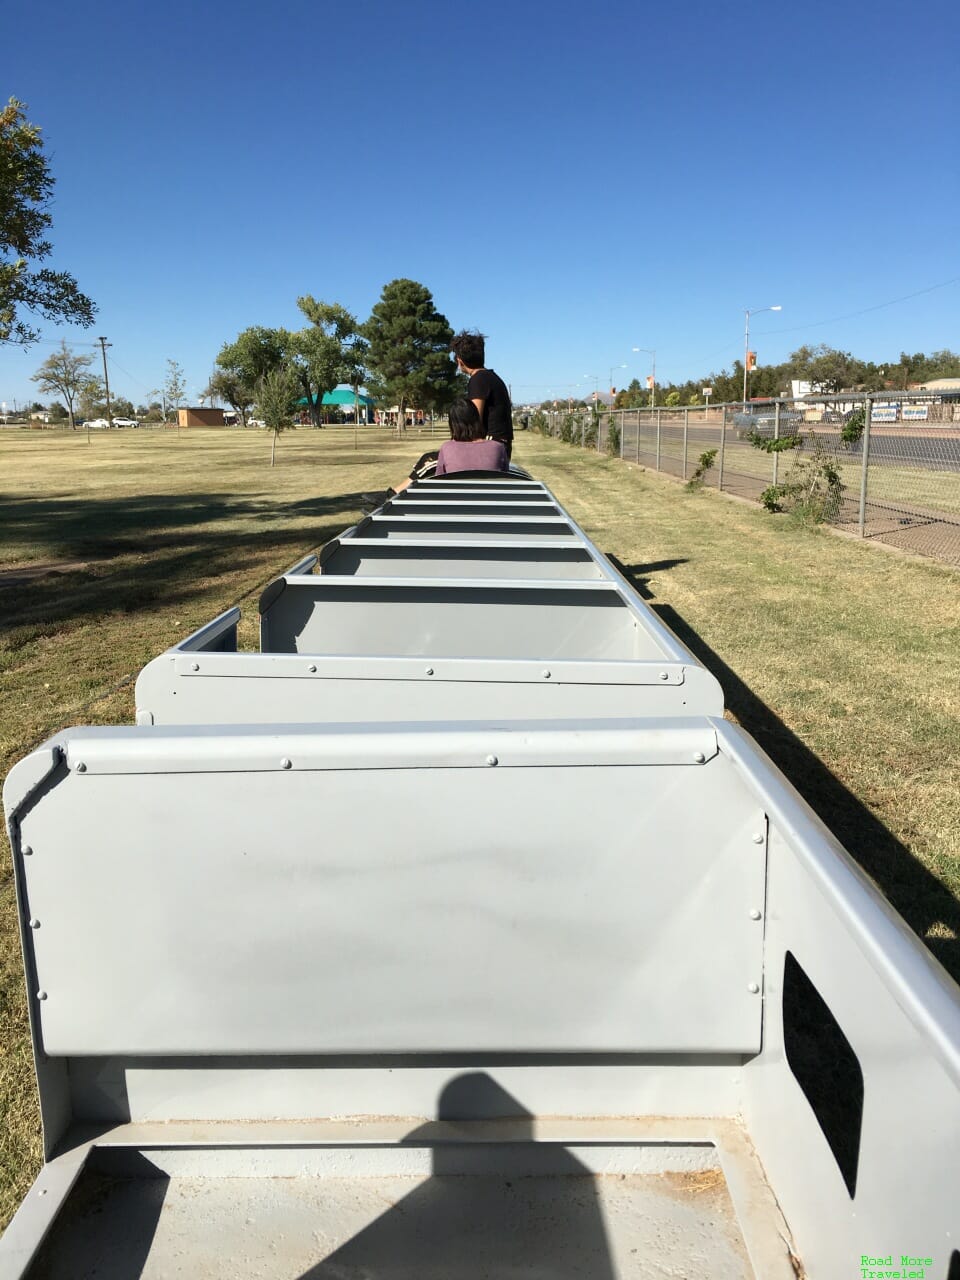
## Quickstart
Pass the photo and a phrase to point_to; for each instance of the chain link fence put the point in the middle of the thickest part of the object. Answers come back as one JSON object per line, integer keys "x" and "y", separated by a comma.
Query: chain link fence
{"x": 884, "y": 466}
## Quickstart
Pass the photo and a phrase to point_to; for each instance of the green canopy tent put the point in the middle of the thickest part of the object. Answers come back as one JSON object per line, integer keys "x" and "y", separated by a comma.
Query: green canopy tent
{"x": 343, "y": 397}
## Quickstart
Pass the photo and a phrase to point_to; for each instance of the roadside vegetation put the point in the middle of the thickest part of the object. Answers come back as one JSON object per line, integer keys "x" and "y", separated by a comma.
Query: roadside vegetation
{"x": 842, "y": 661}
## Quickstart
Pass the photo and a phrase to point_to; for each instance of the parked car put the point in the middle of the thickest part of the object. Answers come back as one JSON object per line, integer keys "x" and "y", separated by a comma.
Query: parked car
{"x": 125, "y": 422}
{"x": 96, "y": 424}
{"x": 763, "y": 422}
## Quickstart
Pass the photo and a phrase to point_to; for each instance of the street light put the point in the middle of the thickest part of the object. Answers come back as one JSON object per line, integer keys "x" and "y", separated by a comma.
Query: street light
{"x": 653, "y": 374}
{"x": 746, "y": 343}
{"x": 610, "y": 379}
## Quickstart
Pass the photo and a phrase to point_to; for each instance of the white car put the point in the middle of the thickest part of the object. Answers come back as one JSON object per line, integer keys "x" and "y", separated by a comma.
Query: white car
{"x": 96, "y": 424}
{"x": 125, "y": 422}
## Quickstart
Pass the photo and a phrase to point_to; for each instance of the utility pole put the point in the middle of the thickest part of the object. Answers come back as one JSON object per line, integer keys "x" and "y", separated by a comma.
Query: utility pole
{"x": 106, "y": 381}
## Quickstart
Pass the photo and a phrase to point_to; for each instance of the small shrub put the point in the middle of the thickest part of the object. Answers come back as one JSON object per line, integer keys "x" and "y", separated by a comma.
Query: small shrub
{"x": 773, "y": 496}
{"x": 539, "y": 423}
{"x": 704, "y": 463}
{"x": 852, "y": 429}
{"x": 813, "y": 490}
{"x": 613, "y": 439}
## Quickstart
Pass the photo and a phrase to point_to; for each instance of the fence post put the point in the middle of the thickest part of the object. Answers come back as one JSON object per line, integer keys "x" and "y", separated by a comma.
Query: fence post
{"x": 723, "y": 441}
{"x": 583, "y": 433}
{"x": 600, "y": 431}
{"x": 686, "y": 427}
{"x": 864, "y": 463}
{"x": 623, "y": 420}
{"x": 638, "y": 437}
{"x": 776, "y": 436}
{"x": 658, "y": 439}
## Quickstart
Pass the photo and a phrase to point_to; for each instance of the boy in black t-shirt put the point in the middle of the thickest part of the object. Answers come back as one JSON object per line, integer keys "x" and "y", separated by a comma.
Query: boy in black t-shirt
{"x": 486, "y": 389}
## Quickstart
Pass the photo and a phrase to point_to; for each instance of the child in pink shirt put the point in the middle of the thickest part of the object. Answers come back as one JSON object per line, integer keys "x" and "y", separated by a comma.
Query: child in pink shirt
{"x": 467, "y": 450}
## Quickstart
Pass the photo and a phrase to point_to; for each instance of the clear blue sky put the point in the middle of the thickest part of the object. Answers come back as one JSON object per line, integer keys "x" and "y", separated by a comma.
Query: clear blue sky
{"x": 573, "y": 179}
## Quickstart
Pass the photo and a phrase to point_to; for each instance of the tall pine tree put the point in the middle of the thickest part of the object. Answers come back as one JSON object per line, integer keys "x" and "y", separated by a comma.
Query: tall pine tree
{"x": 409, "y": 362}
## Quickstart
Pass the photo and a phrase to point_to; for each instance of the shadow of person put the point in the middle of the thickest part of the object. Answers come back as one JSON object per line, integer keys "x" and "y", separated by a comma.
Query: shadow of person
{"x": 497, "y": 1203}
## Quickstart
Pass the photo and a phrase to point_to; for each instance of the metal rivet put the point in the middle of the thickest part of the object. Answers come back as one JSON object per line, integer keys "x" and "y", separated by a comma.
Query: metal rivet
{"x": 194, "y": 666}
{"x": 41, "y": 995}
{"x": 81, "y": 767}
{"x": 757, "y": 837}
{"x": 754, "y": 914}
{"x": 753, "y": 988}
{"x": 43, "y": 1192}
{"x": 546, "y": 675}
{"x": 26, "y": 850}
{"x": 312, "y": 666}
{"x": 699, "y": 757}
{"x": 429, "y": 671}
{"x": 492, "y": 760}
{"x": 286, "y": 763}
{"x": 34, "y": 923}
{"x": 664, "y": 675}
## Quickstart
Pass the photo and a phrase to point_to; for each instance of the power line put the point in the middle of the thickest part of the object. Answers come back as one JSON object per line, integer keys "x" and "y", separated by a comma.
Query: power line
{"x": 866, "y": 310}
{"x": 815, "y": 324}
{"x": 126, "y": 374}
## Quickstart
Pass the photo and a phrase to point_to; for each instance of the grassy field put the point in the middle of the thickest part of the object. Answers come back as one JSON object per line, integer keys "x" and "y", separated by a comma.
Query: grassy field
{"x": 842, "y": 661}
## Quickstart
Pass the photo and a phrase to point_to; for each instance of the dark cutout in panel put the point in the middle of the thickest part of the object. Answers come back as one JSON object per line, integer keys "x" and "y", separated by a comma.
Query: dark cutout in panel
{"x": 953, "y": 1271}
{"x": 825, "y": 1067}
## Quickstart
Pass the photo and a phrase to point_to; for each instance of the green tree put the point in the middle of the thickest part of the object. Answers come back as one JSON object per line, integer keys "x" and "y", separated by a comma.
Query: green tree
{"x": 226, "y": 384}
{"x": 276, "y": 401}
{"x": 254, "y": 352}
{"x": 409, "y": 358}
{"x": 631, "y": 397}
{"x": 330, "y": 351}
{"x": 92, "y": 397}
{"x": 825, "y": 368}
{"x": 58, "y": 412}
{"x": 62, "y": 374}
{"x": 121, "y": 407}
{"x": 25, "y": 191}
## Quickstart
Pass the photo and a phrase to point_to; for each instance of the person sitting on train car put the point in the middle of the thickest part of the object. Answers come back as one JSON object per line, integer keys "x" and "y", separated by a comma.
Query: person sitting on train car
{"x": 468, "y": 449}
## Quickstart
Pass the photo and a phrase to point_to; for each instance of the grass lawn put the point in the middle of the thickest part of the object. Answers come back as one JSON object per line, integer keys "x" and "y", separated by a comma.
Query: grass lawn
{"x": 843, "y": 661}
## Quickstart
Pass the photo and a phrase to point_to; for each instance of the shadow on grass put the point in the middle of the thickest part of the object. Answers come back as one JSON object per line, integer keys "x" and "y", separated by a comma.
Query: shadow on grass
{"x": 912, "y": 890}
{"x": 184, "y": 541}
{"x": 638, "y": 574}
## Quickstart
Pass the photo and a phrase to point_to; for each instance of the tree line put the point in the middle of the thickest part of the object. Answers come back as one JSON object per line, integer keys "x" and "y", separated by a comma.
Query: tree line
{"x": 400, "y": 354}
{"x": 825, "y": 368}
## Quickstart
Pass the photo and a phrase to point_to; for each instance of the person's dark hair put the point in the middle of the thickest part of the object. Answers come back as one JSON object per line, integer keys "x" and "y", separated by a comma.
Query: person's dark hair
{"x": 465, "y": 422}
{"x": 468, "y": 345}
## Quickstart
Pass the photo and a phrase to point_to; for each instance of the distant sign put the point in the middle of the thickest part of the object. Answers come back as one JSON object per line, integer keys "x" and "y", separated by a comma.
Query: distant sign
{"x": 884, "y": 413}
{"x": 914, "y": 412}
{"x": 706, "y": 391}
